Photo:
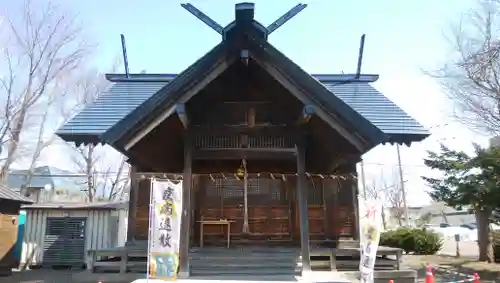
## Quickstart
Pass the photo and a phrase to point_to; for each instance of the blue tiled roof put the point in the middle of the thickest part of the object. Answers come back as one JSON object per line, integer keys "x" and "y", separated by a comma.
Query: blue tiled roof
{"x": 376, "y": 108}
{"x": 126, "y": 94}
{"x": 110, "y": 107}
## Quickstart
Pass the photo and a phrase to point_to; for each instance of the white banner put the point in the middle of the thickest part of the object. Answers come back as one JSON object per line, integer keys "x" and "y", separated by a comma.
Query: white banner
{"x": 370, "y": 225}
{"x": 165, "y": 211}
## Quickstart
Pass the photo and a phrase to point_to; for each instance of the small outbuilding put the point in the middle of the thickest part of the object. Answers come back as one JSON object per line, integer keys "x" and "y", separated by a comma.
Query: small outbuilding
{"x": 60, "y": 234}
{"x": 10, "y": 204}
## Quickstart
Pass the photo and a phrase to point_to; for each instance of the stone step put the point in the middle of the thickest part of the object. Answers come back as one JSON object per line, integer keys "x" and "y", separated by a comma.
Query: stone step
{"x": 236, "y": 261}
{"x": 259, "y": 257}
{"x": 245, "y": 271}
{"x": 244, "y": 252}
{"x": 243, "y": 265}
{"x": 208, "y": 260}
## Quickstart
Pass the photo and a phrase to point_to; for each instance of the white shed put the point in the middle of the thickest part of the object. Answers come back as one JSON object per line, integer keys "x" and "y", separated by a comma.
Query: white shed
{"x": 60, "y": 234}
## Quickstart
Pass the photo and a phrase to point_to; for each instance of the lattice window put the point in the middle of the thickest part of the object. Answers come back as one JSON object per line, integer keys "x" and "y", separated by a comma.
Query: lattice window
{"x": 270, "y": 141}
{"x": 216, "y": 141}
{"x": 263, "y": 191}
{"x": 232, "y": 188}
{"x": 237, "y": 141}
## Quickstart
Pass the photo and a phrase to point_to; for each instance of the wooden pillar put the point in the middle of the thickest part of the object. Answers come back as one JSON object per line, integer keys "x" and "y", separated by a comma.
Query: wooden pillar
{"x": 187, "y": 183}
{"x": 132, "y": 204}
{"x": 355, "y": 205}
{"x": 303, "y": 208}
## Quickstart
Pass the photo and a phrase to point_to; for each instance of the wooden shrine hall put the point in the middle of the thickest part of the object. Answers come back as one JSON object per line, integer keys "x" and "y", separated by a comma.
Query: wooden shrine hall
{"x": 262, "y": 146}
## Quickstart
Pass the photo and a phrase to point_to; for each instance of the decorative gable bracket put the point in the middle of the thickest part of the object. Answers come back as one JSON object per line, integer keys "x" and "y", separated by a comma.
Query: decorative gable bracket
{"x": 244, "y": 15}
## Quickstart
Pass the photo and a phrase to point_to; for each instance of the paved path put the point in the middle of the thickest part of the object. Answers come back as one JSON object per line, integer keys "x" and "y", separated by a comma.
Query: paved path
{"x": 467, "y": 249}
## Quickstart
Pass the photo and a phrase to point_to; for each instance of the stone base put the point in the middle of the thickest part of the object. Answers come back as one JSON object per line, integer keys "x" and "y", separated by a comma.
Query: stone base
{"x": 383, "y": 276}
{"x": 88, "y": 277}
{"x": 325, "y": 276}
{"x": 183, "y": 274}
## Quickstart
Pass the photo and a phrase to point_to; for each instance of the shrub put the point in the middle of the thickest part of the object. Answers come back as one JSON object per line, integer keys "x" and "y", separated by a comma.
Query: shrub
{"x": 413, "y": 240}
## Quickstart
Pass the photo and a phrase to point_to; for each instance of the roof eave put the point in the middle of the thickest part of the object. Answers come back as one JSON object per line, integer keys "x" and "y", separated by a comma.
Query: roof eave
{"x": 407, "y": 139}
{"x": 112, "y": 77}
{"x": 337, "y": 78}
{"x": 79, "y": 139}
{"x": 161, "y": 99}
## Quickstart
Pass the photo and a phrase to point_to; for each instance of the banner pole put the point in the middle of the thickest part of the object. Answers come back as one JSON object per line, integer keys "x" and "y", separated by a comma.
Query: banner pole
{"x": 150, "y": 228}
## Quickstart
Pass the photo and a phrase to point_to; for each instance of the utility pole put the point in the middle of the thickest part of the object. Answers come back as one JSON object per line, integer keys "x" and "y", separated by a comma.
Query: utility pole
{"x": 402, "y": 184}
{"x": 363, "y": 182}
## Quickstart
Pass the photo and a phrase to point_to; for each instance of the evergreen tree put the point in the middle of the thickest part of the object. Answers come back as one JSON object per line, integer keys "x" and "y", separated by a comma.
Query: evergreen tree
{"x": 471, "y": 182}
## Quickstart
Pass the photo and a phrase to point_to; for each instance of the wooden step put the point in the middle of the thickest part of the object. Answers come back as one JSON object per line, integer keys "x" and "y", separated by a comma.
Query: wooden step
{"x": 244, "y": 261}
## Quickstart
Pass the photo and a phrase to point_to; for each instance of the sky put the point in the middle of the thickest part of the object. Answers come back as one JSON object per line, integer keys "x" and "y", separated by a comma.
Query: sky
{"x": 403, "y": 38}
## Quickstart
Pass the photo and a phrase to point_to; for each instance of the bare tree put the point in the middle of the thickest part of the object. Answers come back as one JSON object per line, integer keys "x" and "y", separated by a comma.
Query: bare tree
{"x": 40, "y": 49}
{"x": 110, "y": 178}
{"x": 378, "y": 193}
{"x": 471, "y": 77}
{"x": 393, "y": 195}
{"x": 375, "y": 192}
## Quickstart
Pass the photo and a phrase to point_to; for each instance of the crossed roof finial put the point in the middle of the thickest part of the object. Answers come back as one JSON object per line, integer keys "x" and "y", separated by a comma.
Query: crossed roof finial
{"x": 243, "y": 11}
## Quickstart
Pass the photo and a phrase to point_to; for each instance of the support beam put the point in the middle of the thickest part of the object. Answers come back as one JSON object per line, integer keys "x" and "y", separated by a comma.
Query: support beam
{"x": 303, "y": 208}
{"x": 306, "y": 114}
{"x": 180, "y": 109}
{"x": 187, "y": 183}
{"x": 355, "y": 206}
{"x": 132, "y": 204}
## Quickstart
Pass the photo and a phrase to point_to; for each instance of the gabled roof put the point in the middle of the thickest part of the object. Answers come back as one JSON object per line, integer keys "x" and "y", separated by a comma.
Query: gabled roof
{"x": 8, "y": 194}
{"x": 126, "y": 94}
{"x": 133, "y": 101}
{"x": 264, "y": 53}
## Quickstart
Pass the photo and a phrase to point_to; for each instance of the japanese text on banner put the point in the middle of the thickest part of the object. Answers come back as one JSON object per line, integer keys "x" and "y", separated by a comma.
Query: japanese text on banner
{"x": 165, "y": 220}
{"x": 370, "y": 224}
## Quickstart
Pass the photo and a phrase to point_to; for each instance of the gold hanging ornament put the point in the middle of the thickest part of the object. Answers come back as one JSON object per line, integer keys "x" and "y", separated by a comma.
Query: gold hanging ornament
{"x": 240, "y": 172}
